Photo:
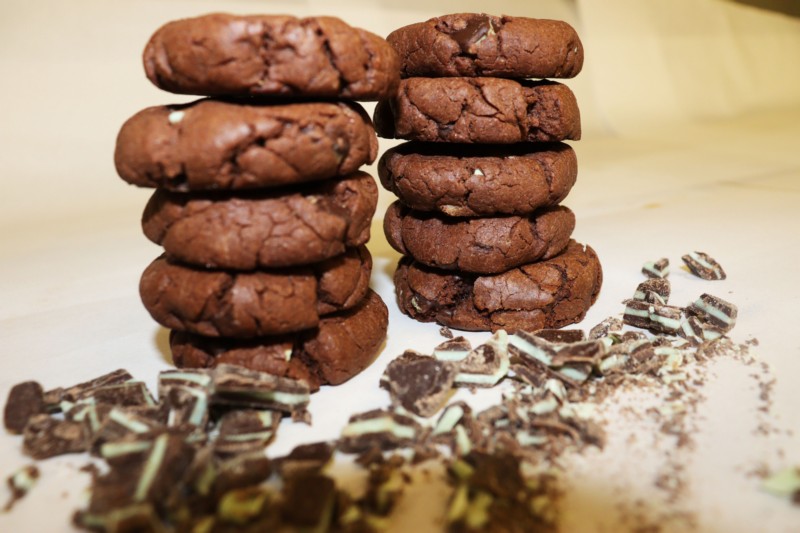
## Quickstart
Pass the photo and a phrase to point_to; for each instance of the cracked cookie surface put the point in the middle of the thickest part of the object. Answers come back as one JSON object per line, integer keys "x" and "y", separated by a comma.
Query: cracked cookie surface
{"x": 235, "y": 55}
{"x": 224, "y": 145}
{"x": 486, "y": 245}
{"x": 341, "y": 346}
{"x": 479, "y": 110}
{"x": 479, "y": 180}
{"x": 264, "y": 229}
{"x": 546, "y": 294}
{"x": 476, "y": 44}
{"x": 220, "y": 303}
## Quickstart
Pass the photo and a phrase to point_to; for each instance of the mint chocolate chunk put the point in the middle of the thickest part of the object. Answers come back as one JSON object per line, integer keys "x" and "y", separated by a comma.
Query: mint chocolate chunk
{"x": 656, "y": 269}
{"x": 703, "y": 265}
{"x": 715, "y": 311}
{"x": 654, "y": 291}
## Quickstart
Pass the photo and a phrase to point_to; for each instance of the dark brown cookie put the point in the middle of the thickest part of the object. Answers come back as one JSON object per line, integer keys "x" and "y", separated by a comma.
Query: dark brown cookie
{"x": 479, "y": 180}
{"x": 473, "y": 44}
{"x": 547, "y": 294}
{"x": 219, "y": 303}
{"x": 233, "y": 55}
{"x": 212, "y": 144}
{"x": 488, "y": 245}
{"x": 479, "y": 110}
{"x": 340, "y": 347}
{"x": 269, "y": 229}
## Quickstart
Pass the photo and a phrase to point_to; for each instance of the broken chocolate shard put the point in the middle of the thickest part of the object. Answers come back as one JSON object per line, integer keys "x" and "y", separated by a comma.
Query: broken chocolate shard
{"x": 238, "y": 386}
{"x": 20, "y": 483}
{"x": 703, "y": 266}
{"x": 486, "y": 365}
{"x": 420, "y": 384}
{"x": 304, "y": 458}
{"x": 45, "y": 437}
{"x": 446, "y": 332}
{"x": 654, "y": 291}
{"x": 193, "y": 378}
{"x": 452, "y": 350}
{"x": 123, "y": 422}
{"x": 246, "y": 430}
{"x": 606, "y": 327}
{"x": 560, "y": 335}
{"x": 656, "y": 269}
{"x": 87, "y": 388}
{"x": 186, "y": 406}
{"x": 653, "y": 317}
{"x": 715, "y": 311}
{"x": 380, "y": 429}
{"x": 128, "y": 393}
{"x": 24, "y": 401}
{"x": 238, "y": 472}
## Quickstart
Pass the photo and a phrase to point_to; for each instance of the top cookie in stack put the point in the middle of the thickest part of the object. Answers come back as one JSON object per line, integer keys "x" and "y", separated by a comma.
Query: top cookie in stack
{"x": 486, "y": 243}
{"x": 260, "y": 206}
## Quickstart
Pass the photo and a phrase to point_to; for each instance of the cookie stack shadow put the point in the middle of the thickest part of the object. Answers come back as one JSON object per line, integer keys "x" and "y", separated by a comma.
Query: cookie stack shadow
{"x": 485, "y": 243}
{"x": 259, "y": 204}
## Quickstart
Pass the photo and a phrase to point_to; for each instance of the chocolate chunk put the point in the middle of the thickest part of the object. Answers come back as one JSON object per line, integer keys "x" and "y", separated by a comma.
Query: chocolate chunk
{"x": 486, "y": 365}
{"x": 122, "y": 422}
{"x": 308, "y": 501}
{"x": 420, "y": 384}
{"x": 20, "y": 483}
{"x": 473, "y": 31}
{"x": 47, "y": 437}
{"x": 186, "y": 406}
{"x": 534, "y": 376}
{"x": 703, "y": 265}
{"x": 24, "y": 400}
{"x": 654, "y": 291}
{"x": 452, "y": 350}
{"x": 604, "y": 328}
{"x": 163, "y": 468}
{"x": 715, "y": 311}
{"x": 456, "y": 427}
{"x": 87, "y": 388}
{"x": 123, "y": 394}
{"x": 445, "y": 332}
{"x": 305, "y": 458}
{"x": 200, "y": 379}
{"x": 570, "y": 362}
{"x": 380, "y": 429}
{"x": 656, "y": 269}
{"x": 560, "y": 335}
{"x": 238, "y": 386}
{"x": 654, "y": 317}
{"x": 238, "y": 472}
{"x": 246, "y": 431}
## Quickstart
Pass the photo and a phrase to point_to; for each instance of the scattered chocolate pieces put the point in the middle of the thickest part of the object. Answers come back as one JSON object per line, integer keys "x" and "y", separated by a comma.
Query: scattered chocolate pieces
{"x": 656, "y": 269}
{"x": 704, "y": 266}
{"x": 20, "y": 483}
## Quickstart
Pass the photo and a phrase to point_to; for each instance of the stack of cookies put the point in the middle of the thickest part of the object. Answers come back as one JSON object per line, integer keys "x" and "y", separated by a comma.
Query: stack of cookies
{"x": 259, "y": 204}
{"x": 486, "y": 244}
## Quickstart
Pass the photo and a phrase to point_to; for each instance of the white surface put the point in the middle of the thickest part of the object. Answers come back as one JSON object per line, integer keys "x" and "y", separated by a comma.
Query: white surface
{"x": 71, "y": 250}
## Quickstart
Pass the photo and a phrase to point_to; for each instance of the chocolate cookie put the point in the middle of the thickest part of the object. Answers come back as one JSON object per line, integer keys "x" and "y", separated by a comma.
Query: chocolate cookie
{"x": 234, "y": 55}
{"x": 265, "y": 229}
{"x": 487, "y": 245}
{"x": 472, "y": 44}
{"x": 339, "y": 348}
{"x": 219, "y": 303}
{"x": 547, "y": 294}
{"x": 479, "y": 180}
{"x": 213, "y": 144}
{"x": 479, "y": 110}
